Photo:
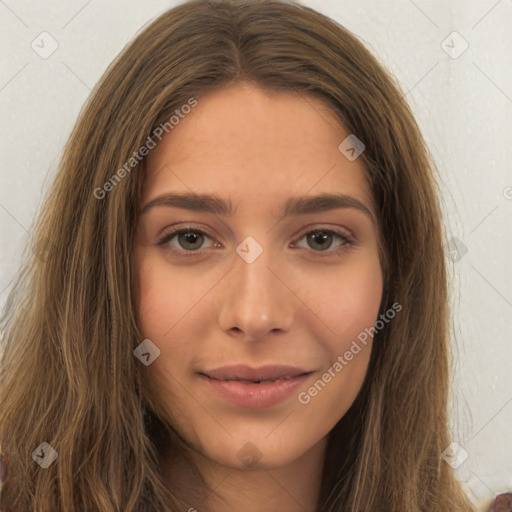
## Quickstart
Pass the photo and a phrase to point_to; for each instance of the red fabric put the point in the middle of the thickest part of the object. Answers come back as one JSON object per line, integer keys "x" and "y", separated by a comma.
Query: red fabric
{"x": 502, "y": 503}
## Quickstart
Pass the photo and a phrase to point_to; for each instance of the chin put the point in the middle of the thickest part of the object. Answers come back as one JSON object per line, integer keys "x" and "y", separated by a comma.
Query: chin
{"x": 255, "y": 453}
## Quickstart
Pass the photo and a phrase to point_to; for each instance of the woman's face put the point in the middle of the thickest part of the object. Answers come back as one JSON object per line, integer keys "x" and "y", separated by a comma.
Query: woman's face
{"x": 249, "y": 290}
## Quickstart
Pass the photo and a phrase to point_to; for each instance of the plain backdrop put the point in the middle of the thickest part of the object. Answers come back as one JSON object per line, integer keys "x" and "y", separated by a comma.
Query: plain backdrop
{"x": 460, "y": 88}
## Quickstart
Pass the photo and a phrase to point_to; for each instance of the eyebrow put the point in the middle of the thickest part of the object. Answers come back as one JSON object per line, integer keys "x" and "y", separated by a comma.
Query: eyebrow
{"x": 293, "y": 206}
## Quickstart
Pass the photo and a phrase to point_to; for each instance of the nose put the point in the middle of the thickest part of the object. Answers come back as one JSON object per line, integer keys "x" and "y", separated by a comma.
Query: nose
{"x": 256, "y": 300}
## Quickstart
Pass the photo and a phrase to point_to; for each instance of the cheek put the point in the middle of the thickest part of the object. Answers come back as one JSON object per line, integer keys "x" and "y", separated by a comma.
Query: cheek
{"x": 159, "y": 305}
{"x": 160, "y": 310}
{"x": 360, "y": 297}
{"x": 346, "y": 300}
{"x": 169, "y": 294}
{"x": 349, "y": 307}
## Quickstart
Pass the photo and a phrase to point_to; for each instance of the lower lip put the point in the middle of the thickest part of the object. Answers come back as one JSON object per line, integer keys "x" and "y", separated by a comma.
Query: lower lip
{"x": 255, "y": 395}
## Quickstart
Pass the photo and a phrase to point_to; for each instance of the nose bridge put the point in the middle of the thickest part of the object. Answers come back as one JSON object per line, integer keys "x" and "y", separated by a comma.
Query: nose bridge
{"x": 256, "y": 301}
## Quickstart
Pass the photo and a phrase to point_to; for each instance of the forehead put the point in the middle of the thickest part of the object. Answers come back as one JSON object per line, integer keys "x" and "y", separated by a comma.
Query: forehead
{"x": 252, "y": 145}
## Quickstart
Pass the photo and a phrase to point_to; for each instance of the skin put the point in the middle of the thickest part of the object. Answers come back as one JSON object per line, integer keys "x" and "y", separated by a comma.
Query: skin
{"x": 295, "y": 304}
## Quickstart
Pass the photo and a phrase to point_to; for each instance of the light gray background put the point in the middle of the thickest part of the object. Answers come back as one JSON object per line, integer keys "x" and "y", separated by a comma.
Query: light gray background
{"x": 463, "y": 105}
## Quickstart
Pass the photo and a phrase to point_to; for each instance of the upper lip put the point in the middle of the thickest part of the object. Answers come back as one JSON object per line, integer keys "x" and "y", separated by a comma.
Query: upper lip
{"x": 245, "y": 372}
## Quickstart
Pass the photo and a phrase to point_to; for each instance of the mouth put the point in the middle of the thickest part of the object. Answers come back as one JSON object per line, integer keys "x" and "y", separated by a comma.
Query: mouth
{"x": 263, "y": 381}
{"x": 249, "y": 387}
{"x": 249, "y": 375}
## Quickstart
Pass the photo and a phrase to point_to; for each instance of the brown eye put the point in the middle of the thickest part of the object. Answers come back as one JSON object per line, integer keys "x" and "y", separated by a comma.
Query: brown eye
{"x": 185, "y": 240}
{"x": 190, "y": 239}
{"x": 321, "y": 240}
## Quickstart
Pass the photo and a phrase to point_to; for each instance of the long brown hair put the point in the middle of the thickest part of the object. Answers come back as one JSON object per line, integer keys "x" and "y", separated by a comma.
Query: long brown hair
{"x": 68, "y": 374}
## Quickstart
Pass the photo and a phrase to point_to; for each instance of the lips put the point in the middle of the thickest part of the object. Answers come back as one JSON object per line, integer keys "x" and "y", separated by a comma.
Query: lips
{"x": 248, "y": 387}
{"x": 251, "y": 375}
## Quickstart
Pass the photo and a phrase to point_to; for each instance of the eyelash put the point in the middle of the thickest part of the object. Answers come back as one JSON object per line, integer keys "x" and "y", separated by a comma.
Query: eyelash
{"x": 348, "y": 243}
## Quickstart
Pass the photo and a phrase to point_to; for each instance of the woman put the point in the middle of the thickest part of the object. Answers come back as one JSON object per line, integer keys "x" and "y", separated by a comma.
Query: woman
{"x": 259, "y": 368}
